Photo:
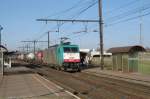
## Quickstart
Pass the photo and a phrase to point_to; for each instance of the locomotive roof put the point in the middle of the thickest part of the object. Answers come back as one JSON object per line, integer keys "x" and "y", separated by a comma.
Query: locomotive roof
{"x": 61, "y": 45}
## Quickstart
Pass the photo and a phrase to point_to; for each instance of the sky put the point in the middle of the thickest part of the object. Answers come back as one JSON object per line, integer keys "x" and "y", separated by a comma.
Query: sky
{"x": 18, "y": 18}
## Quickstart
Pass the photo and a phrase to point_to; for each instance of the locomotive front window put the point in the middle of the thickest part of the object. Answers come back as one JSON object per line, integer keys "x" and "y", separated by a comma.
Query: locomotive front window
{"x": 66, "y": 49}
{"x": 70, "y": 49}
{"x": 74, "y": 49}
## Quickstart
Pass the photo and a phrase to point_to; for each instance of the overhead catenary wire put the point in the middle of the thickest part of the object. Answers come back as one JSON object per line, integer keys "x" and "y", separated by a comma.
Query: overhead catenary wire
{"x": 128, "y": 13}
{"x": 124, "y": 15}
{"x": 79, "y": 13}
{"x": 122, "y": 6}
{"x": 129, "y": 19}
{"x": 82, "y": 11}
{"x": 85, "y": 9}
{"x": 64, "y": 11}
{"x": 92, "y": 3}
{"x": 88, "y": 8}
{"x": 67, "y": 10}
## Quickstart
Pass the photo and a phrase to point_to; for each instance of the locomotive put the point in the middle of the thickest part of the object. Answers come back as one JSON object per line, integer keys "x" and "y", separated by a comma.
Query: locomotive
{"x": 63, "y": 56}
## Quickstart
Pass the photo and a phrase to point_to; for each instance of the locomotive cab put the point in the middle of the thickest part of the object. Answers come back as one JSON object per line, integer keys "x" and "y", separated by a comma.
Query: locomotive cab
{"x": 71, "y": 58}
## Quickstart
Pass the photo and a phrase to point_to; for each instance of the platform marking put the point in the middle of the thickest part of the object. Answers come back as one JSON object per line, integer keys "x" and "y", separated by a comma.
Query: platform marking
{"x": 72, "y": 94}
{"x": 61, "y": 88}
{"x": 51, "y": 82}
{"x": 45, "y": 86}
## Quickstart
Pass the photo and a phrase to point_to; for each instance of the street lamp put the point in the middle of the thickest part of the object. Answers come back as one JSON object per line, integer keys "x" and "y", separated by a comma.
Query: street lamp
{"x": 1, "y": 56}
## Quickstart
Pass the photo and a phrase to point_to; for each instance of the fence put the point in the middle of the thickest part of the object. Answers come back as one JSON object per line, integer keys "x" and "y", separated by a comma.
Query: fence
{"x": 139, "y": 62}
{"x": 107, "y": 62}
{"x": 144, "y": 63}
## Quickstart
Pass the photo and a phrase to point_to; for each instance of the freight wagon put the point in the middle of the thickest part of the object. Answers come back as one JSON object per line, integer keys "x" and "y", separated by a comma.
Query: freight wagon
{"x": 63, "y": 56}
{"x": 39, "y": 57}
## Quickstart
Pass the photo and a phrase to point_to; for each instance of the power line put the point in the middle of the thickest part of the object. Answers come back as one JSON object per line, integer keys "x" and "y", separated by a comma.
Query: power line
{"x": 122, "y": 6}
{"x": 79, "y": 13}
{"x": 130, "y": 12}
{"x": 129, "y": 19}
{"x": 67, "y": 10}
{"x": 85, "y": 9}
{"x": 82, "y": 11}
{"x": 75, "y": 16}
{"x": 41, "y": 36}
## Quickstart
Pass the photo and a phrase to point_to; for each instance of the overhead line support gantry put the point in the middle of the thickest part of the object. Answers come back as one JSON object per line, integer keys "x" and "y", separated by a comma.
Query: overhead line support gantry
{"x": 100, "y": 21}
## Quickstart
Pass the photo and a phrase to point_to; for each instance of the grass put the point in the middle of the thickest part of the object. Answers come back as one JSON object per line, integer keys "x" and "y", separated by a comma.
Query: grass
{"x": 144, "y": 67}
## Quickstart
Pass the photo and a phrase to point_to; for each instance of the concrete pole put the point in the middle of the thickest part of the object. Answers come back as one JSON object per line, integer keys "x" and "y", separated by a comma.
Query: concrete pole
{"x": 1, "y": 28}
{"x": 48, "y": 39}
{"x": 101, "y": 34}
{"x": 2, "y": 64}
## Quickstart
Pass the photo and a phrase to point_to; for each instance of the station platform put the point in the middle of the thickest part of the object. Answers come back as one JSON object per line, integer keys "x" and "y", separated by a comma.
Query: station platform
{"x": 130, "y": 77}
{"x": 31, "y": 86}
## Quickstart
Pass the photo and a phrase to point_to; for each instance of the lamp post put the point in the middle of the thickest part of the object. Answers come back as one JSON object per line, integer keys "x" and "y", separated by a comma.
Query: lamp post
{"x": 1, "y": 28}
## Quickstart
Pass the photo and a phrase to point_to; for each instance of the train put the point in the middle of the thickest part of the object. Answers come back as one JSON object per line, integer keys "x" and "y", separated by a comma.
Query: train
{"x": 63, "y": 56}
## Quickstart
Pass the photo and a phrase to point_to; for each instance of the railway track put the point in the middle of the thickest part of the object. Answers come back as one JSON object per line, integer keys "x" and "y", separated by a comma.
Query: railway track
{"x": 89, "y": 86}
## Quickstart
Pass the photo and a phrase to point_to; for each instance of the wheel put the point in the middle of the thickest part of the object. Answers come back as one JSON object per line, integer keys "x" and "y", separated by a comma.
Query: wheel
{"x": 65, "y": 69}
{"x": 78, "y": 70}
{"x": 58, "y": 68}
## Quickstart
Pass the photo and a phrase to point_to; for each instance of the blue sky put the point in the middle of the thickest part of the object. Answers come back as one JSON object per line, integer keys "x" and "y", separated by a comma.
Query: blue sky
{"x": 18, "y": 18}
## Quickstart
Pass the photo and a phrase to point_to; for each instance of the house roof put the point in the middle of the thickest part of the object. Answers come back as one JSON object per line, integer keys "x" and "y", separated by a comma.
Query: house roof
{"x": 126, "y": 49}
{"x": 10, "y": 53}
{"x": 4, "y": 48}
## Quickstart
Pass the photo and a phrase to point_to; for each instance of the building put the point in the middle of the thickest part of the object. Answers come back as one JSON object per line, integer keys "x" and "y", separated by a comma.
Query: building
{"x": 94, "y": 58}
{"x": 2, "y": 51}
{"x": 126, "y": 58}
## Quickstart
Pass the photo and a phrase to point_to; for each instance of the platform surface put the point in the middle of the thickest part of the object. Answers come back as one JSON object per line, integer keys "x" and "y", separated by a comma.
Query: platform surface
{"x": 31, "y": 86}
{"x": 130, "y": 77}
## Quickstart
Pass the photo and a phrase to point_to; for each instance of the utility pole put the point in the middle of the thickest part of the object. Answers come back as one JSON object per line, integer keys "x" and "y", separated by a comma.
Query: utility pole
{"x": 2, "y": 65}
{"x": 140, "y": 33}
{"x": 100, "y": 21}
{"x": 141, "y": 25}
{"x": 101, "y": 34}
{"x": 21, "y": 48}
{"x": 34, "y": 46}
{"x": 48, "y": 39}
{"x": 1, "y": 28}
{"x": 27, "y": 48}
